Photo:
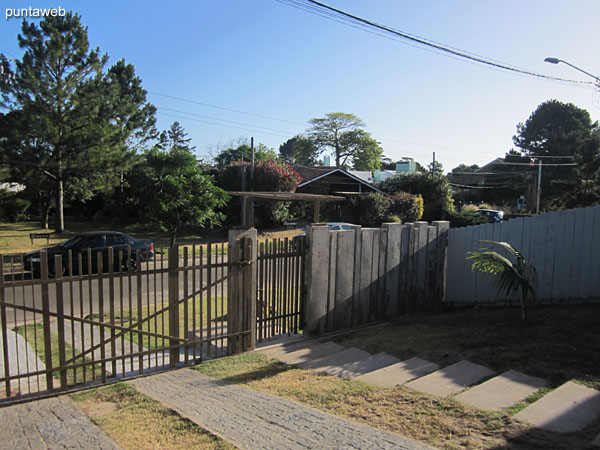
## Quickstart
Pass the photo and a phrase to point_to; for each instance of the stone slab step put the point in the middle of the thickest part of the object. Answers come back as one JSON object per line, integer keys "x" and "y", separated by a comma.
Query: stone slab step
{"x": 373, "y": 362}
{"x": 332, "y": 364}
{"x": 308, "y": 353}
{"x": 277, "y": 350}
{"x": 566, "y": 409}
{"x": 596, "y": 442}
{"x": 452, "y": 379}
{"x": 399, "y": 373}
{"x": 502, "y": 391}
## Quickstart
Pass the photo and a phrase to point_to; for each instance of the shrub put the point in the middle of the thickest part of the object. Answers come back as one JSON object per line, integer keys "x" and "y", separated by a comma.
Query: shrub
{"x": 405, "y": 208}
{"x": 13, "y": 208}
{"x": 465, "y": 218}
{"x": 374, "y": 209}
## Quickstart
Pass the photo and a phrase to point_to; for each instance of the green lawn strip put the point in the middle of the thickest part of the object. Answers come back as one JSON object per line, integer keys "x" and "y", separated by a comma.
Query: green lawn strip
{"x": 441, "y": 422}
{"x": 136, "y": 421}
{"x": 160, "y": 323}
{"x": 35, "y": 337}
{"x": 558, "y": 343}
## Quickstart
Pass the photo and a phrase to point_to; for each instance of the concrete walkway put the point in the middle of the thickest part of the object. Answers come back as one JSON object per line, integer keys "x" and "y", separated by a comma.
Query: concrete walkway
{"x": 569, "y": 408}
{"x": 22, "y": 359}
{"x": 254, "y": 420}
{"x": 53, "y": 423}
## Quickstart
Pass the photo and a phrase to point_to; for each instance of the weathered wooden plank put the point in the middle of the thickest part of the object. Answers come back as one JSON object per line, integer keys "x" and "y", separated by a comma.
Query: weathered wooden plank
{"x": 357, "y": 274}
{"x": 442, "y": 227}
{"x": 455, "y": 271}
{"x": 595, "y": 266}
{"x": 374, "y": 291}
{"x": 586, "y": 276}
{"x": 403, "y": 270}
{"x": 392, "y": 264}
{"x": 330, "y": 323}
{"x": 430, "y": 271}
{"x": 551, "y": 222}
{"x": 381, "y": 300}
{"x": 421, "y": 266}
{"x": 558, "y": 255}
{"x": 366, "y": 262}
{"x": 344, "y": 282}
{"x": 317, "y": 271}
{"x": 482, "y": 292}
{"x": 566, "y": 257}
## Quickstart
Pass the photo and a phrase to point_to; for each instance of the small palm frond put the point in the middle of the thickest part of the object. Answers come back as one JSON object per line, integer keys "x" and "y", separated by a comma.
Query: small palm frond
{"x": 504, "y": 245}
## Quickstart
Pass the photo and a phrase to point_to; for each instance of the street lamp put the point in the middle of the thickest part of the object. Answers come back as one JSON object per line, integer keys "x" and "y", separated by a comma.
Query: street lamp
{"x": 556, "y": 61}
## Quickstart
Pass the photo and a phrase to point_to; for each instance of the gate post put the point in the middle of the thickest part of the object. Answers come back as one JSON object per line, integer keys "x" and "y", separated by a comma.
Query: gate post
{"x": 241, "y": 290}
{"x": 173, "y": 304}
{"x": 316, "y": 278}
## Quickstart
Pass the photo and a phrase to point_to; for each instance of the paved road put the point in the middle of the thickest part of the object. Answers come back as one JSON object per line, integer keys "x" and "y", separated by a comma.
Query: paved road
{"x": 255, "y": 420}
{"x": 84, "y": 295}
{"x": 53, "y": 423}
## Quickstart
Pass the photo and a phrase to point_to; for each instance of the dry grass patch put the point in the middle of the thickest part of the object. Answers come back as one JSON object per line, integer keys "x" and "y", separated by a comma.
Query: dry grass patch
{"x": 440, "y": 422}
{"x": 135, "y": 421}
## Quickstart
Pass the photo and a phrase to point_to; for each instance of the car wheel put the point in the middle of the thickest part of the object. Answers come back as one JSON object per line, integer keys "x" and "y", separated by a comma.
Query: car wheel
{"x": 52, "y": 272}
{"x": 130, "y": 264}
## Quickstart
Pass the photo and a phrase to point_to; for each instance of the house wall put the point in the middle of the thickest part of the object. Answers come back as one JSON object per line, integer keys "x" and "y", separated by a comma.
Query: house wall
{"x": 564, "y": 247}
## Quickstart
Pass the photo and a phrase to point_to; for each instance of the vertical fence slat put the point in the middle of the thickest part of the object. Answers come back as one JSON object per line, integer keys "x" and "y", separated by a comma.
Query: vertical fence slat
{"x": 173, "y": 304}
{"x": 4, "y": 328}
{"x": 46, "y": 320}
{"x": 60, "y": 319}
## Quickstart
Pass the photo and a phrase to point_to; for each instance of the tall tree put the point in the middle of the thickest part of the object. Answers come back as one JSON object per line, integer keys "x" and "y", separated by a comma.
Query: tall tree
{"x": 299, "y": 150}
{"x": 366, "y": 152}
{"x": 80, "y": 125}
{"x": 181, "y": 194}
{"x": 243, "y": 152}
{"x": 335, "y": 132}
{"x": 557, "y": 129}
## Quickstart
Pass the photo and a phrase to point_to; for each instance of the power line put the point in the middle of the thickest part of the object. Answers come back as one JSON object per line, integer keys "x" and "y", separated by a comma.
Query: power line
{"x": 337, "y": 15}
{"x": 226, "y": 109}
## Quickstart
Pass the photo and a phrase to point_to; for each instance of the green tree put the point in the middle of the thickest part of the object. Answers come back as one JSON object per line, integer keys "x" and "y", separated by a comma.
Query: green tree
{"x": 336, "y": 132}
{"x": 181, "y": 194}
{"x": 365, "y": 151}
{"x": 299, "y": 150}
{"x": 558, "y": 130}
{"x": 243, "y": 152}
{"x": 79, "y": 126}
{"x": 508, "y": 276}
{"x": 435, "y": 168}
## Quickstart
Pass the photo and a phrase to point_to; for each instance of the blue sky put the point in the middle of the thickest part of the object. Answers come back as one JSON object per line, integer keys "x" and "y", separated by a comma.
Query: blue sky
{"x": 269, "y": 59}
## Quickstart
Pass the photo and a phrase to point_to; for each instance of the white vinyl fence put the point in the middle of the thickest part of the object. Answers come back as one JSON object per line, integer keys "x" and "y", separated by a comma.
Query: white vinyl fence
{"x": 564, "y": 247}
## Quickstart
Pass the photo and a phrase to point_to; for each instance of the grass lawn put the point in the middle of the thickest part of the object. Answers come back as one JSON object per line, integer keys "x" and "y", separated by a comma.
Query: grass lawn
{"x": 135, "y": 421}
{"x": 14, "y": 237}
{"x": 558, "y": 343}
{"x": 34, "y": 334}
{"x": 160, "y": 323}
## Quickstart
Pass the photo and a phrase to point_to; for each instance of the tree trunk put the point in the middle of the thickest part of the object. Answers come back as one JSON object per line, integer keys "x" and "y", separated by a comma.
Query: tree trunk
{"x": 173, "y": 238}
{"x": 60, "y": 219}
{"x": 44, "y": 215}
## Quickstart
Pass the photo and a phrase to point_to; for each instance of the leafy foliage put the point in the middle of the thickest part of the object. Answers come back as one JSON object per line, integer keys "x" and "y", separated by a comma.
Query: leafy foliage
{"x": 13, "y": 208}
{"x": 181, "y": 194}
{"x": 71, "y": 126}
{"x": 509, "y": 277}
{"x": 375, "y": 208}
{"x": 464, "y": 218}
{"x": 243, "y": 152}
{"x": 557, "y": 129}
{"x": 299, "y": 150}
{"x": 435, "y": 191}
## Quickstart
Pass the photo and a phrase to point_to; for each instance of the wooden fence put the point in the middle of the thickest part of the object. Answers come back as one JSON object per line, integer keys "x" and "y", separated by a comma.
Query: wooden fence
{"x": 564, "y": 247}
{"x": 364, "y": 275}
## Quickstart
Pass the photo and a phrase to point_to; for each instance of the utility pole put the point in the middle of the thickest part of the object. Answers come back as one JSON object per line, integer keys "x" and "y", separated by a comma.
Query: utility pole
{"x": 433, "y": 166}
{"x": 252, "y": 166}
{"x": 539, "y": 186}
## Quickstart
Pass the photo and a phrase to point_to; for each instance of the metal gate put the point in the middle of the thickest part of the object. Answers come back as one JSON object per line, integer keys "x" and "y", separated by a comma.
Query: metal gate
{"x": 90, "y": 327}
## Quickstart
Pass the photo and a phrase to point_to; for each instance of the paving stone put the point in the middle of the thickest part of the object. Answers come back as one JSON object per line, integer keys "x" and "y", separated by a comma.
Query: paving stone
{"x": 596, "y": 442}
{"x": 452, "y": 379}
{"x": 374, "y": 362}
{"x": 332, "y": 364}
{"x": 50, "y": 424}
{"x": 276, "y": 351}
{"x": 566, "y": 409}
{"x": 309, "y": 353}
{"x": 399, "y": 373}
{"x": 251, "y": 419}
{"x": 502, "y": 391}
{"x": 282, "y": 340}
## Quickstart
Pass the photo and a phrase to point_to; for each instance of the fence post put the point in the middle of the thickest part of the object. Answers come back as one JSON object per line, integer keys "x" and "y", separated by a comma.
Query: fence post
{"x": 4, "y": 327}
{"x": 443, "y": 227}
{"x": 317, "y": 270}
{"x": 60, "y": 321}
{"x": 241, "y": 289}
{"x": 46, "y": 320}
{"x": 174, "y": 305}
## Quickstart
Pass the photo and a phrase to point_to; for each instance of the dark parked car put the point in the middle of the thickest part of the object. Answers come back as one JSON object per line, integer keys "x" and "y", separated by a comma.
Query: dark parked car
{"x": 94, "y": 242}
{"x": 492, "y": 215}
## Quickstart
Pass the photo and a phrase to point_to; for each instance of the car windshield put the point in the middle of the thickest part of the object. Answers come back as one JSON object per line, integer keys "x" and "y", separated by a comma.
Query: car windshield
{"x": 71, "y": 242}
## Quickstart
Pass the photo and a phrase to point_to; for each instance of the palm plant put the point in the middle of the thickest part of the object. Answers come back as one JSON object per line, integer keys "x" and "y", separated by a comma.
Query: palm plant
{"x": 508, "y": 276}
